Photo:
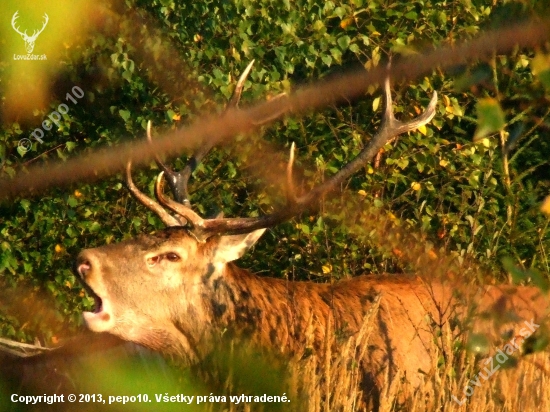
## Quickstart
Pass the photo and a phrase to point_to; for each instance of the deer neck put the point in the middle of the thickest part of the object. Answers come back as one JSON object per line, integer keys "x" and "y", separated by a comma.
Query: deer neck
{"x": 284, "y": 315}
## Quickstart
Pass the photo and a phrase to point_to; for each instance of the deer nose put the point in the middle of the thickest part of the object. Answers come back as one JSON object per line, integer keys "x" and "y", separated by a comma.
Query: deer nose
{"x": 83, "y": 268}
{"x": 84, "y": 265}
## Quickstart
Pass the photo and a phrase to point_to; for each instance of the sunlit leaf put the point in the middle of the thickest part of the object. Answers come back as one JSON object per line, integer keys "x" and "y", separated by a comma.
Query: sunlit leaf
{"x": 490, "y": 118}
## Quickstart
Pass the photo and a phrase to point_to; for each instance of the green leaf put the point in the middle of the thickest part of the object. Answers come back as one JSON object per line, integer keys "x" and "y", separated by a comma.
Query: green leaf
{"x": 490, "y": 118}
{"x": 25, "y": 204}
{"x": 170, "y": 114}
{"x": 72, "y": 232}
{"x": 344, "y": 42}
{"x": 538, "y": 279}
{"x": 125, "y": 114}
{"x": 517, "y": 274}
{"x": 544, "y": 78}
{"x": 21, "y": 150}
{"x": 72, "y": 202}
{"x": 70, "y": 146}
{"x": 327, "y": 60}
{"x": 478, "y": 344}
{"x": 319, "y": 26}
{"x": 337, "y": 54}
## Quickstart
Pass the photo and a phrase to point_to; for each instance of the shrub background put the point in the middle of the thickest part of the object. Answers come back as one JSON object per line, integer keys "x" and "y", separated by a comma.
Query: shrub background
{"x": 468, "y": 186}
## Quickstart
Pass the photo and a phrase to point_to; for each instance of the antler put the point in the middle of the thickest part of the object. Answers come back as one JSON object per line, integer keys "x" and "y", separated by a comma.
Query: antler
{"x": 178, "y": 181}
{"x": 202, "y": 229}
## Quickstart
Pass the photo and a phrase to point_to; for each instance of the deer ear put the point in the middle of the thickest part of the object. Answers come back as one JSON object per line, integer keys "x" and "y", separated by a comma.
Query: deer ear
{"x": 231, "y": 247}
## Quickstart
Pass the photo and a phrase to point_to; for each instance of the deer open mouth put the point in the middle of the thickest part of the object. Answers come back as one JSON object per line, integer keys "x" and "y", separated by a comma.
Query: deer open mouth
{"x": 98, "y": 304}
{"x": 101, "y": 318}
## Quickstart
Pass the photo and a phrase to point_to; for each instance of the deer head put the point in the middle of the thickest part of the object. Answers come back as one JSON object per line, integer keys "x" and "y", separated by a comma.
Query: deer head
{"x": 173, "y": 290}
{"x": 29, "y": 40}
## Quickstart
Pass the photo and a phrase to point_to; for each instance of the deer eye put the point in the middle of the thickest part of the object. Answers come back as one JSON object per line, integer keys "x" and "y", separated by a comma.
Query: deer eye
{"x": 152, "y": 261}
{"x": 172, "y": 257}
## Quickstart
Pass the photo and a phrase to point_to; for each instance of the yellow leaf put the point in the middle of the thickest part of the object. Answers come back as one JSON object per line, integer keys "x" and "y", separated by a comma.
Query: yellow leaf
{"x": 362, "y": 192}
{"x": 327, "y": 268}
{"x": 485, "y": 142}
{"x": 375, "y": 104}
{"x": 176, "y": 117}
{"x": 58, "y": 248}
{"x": 346, "y": 22}
{"x": 422, "y": 129}
{"x": 432, "y": 255}
{"x": 446, "y": 100}
{"x": 416, "y": 186}
{"x": 540, "y": 63}
{"x": 443, "y": 163}
{"x": 545, "y": 208}
{"x": 77, "y": 193}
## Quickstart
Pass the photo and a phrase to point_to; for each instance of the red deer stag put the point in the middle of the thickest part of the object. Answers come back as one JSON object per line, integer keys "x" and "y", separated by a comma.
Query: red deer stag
{"x": 176, "y": 291}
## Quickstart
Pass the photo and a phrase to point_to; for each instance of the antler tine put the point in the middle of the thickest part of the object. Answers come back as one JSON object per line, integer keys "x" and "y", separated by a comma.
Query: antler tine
{"x": 191, "y": 218}
{"x": 290, "y": 190}
{"x": 236, "y": 96}
{"x": 145, "y": 200}
{"x": 390, "y": 126}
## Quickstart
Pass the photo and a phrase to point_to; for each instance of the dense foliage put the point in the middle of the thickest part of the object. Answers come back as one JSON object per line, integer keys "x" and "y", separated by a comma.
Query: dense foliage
{"x": 468, "y": 186}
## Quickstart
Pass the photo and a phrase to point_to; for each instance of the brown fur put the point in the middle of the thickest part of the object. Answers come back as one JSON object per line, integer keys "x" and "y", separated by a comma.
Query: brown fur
{"x": 181, "y": 308}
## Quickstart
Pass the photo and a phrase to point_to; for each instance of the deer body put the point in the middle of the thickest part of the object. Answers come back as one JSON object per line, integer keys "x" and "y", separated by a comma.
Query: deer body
{"x": 173, "y": 294}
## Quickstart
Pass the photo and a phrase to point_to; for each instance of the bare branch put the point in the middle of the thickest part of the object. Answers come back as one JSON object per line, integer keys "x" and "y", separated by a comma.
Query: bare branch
{"x": 274, "y": 114}
{"x": 106, "y": 162}
{"x": 21, "y": 349}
